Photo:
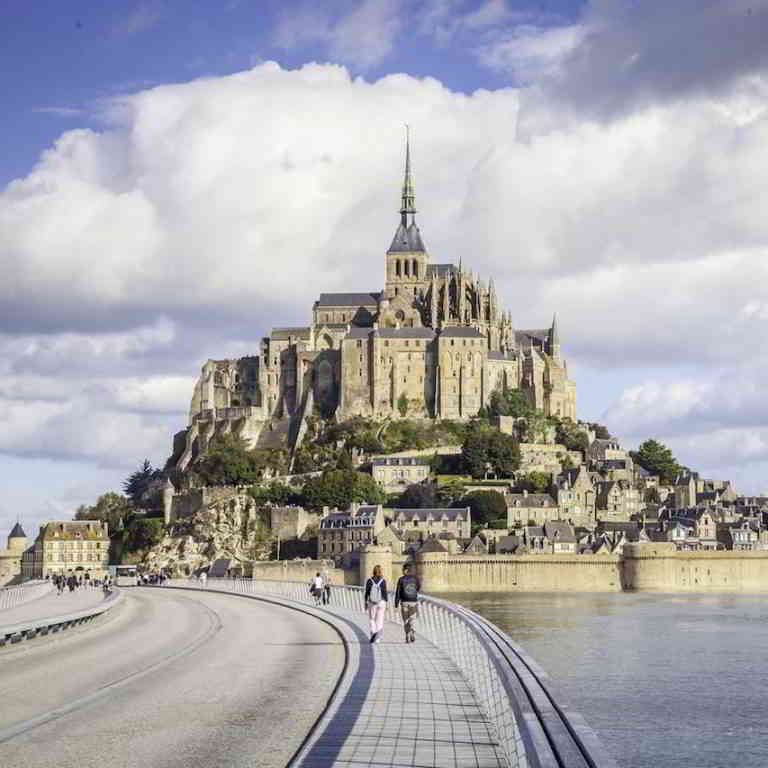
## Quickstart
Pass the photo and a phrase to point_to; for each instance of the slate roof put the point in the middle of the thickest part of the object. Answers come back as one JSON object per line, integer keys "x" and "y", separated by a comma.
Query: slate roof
{"x": 358, "y": 332}
{"x": 523, "y": 337}
{"x": 437, "y": 514}
{"x": 531, "y": 500}
{"x": 508, "y": 544}
{"x": 461, "y": 332}
{"x": 400, "y": 461}
{"x": 407, "y": 240}
{"x": 348, "y": 299}
{"x": 17, "y": 532}
{"x": 441, "y": 270}
{"x": 405, "y": 333}
{"x": 432, "y": 545}
{"x": 560, "y": 529}
{"x": 284, "y": 333}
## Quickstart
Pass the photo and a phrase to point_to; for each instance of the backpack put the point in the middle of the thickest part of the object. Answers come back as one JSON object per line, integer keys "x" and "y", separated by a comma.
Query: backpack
{"x": 409, "y": 588}
{"x": 375, "y": 594}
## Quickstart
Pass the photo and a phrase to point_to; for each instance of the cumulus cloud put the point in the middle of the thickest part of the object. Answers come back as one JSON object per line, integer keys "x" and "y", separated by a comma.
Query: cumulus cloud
{"x": 189, "y": 224}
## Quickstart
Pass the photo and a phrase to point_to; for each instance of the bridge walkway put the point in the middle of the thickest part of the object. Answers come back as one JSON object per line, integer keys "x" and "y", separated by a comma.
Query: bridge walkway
{"x": 401, "y": 705}
{"x": 51, "y": 605}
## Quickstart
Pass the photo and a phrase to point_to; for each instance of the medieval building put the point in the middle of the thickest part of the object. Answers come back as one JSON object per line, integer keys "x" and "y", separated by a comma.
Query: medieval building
{"x": 433, "y": 343}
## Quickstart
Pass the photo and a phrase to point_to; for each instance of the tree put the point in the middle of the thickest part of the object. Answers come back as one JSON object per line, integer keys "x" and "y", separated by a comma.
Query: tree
{"x": 273, "y": 493}
{"x": 536, "y": 482}
{"x": 571, "y": 435}
{"x": 339, "y": 488}
{"x": 143, "y": 534}
{"x": 110, "y": 507}
{"x": 503, "y": 453}
{"x": 402, "y": 404}
{"x": 484, "y": 446}
{"x": 601, "y": 432}
{"x": 485, "y": 507}
{"x": 657, "y": 459}
{"x": 228, "y": 461}
{"x": 139, "y": 483}
{"x": 418, "y": 496}
{"x": 508, "y": 402}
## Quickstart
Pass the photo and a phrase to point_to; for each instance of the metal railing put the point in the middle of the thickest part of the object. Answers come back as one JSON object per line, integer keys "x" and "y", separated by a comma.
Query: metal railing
{"x": 532, "y": 727}
{"x": 23, "y": 593}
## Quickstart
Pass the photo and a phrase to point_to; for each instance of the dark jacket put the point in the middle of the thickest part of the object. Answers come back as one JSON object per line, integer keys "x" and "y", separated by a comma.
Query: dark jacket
{"x": 382, "y": 586}
{"x": 400, "y": 592}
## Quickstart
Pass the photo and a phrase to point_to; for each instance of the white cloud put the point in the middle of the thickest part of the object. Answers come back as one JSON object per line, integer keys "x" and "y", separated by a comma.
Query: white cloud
{"x": 208, "y": 204}
{"x": 362, "y": 37}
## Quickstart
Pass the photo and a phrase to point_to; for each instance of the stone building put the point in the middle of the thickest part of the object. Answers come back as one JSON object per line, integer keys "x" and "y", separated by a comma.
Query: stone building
{"x": 434, "y": 342}
{"x": 69, "y": 545}
{"x": 344, "y": 532}
{"x": 576, "y": 497}
{"x": 395, "y": 473}
{"x": 10, "y": 558}
{"x": 618, "y": 500}
{"x": 425, "y": 523}
{"x": 530, "y": 508}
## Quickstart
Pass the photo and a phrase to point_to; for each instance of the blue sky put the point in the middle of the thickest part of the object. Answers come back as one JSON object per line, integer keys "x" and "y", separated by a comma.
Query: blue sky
{"x": 173, "y": 171}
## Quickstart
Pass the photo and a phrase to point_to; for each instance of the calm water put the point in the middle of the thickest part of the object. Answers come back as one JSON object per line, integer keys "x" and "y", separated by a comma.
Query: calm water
{"x": 665, "y": 680}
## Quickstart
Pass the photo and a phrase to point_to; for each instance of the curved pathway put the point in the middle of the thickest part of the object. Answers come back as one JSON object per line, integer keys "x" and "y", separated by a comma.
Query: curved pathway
{"x": 169, "y": 679}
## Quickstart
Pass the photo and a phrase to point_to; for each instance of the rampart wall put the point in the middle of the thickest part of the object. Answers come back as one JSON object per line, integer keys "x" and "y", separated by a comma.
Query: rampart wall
{"x": 302, "y": 570}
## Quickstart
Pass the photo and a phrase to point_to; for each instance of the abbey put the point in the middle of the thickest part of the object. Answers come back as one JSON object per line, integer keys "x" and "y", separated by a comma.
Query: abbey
{"x": 434, "y": 343}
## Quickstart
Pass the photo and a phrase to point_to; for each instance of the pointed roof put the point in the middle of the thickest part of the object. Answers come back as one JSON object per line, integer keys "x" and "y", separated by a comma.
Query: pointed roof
{"x": 554, "y": 336}
{"x": 407, "y": 238}
{"x": 17, "y": 532}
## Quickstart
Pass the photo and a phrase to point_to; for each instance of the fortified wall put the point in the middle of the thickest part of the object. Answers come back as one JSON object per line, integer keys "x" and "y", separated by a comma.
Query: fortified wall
{"x": 522, "y": 573}
{"x": 659, "y": 568}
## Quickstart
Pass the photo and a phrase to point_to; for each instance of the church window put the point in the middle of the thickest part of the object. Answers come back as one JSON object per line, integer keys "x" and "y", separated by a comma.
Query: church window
{"x": 451, "y": 342}
{"x": 415, "y": 290}
{"x": 397, "y": 269}
{"x": 407, "y": 270}
{"x": 415, "y": 271}
{"x": 395, "y": 291}
{"x": 361, "y": 372}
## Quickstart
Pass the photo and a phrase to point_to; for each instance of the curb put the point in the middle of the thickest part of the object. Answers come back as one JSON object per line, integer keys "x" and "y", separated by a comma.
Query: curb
{"x": 27, "y": 630}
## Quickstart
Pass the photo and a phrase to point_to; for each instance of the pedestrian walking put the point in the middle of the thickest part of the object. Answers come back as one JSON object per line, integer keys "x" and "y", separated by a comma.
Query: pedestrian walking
{"x": 376, "y": 602}
{"x": 317, "y": 588}
{"x": 407, "y": 597}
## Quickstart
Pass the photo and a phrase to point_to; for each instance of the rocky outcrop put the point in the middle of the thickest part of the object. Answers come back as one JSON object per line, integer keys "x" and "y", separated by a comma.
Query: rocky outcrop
{"x": 230, "y": 527}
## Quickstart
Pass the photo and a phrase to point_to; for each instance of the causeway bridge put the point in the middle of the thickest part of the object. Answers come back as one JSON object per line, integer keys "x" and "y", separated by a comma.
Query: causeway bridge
{"x": 249, "y": 672}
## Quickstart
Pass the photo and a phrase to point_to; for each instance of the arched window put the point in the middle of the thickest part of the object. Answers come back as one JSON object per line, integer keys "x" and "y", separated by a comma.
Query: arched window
{"x": 415, "y": 268}
{"x": 397, "y": 268}
{"x": 406, "y": 264}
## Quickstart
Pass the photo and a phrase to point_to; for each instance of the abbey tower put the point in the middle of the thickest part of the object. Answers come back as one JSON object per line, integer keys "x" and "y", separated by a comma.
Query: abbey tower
{"x": 433, "y": 343}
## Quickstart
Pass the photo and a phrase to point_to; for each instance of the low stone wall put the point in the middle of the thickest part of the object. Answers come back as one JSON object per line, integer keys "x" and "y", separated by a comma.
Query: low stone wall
{"x": 302, "y": 570}
{"x": 519, "y": 573}
{"x": 659, "y": 568}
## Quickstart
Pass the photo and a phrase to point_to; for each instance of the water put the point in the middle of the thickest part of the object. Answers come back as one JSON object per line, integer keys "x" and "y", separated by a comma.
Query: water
{"x": 666, "y": 680}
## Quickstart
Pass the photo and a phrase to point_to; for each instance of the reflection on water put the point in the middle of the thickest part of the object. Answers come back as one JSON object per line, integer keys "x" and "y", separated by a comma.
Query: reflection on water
{"x": 666, "y": 680}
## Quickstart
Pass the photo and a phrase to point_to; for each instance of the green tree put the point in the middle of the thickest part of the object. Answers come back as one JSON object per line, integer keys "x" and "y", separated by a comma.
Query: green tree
{"x": 143, "y": 534}
{"x": 418, "y": 496}
{"x": 535, "y": 482}
{"x": 571, "y": 436}
{"x": 503, "y": 453}
{"x": 657, "y": 459}
{"x": 601, "y": 432}
{"x": 139, "y": 483}
{"x": 485, "y": 446}
{"x": 508, "y": 402}
{"x": 228, "y": 461}
{"x": 274, "y": 492}
{"x": 485, "y": 506}
{"x": 402, "y": 404}
{"x": 339, "y": 488}
{"x": 110, "y": 507}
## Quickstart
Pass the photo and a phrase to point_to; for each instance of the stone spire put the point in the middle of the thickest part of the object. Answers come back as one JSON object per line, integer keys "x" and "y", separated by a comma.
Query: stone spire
{"x": 408, "y": 199}
{"x": 407, "y": 238}
{"x": 554, "y": 339}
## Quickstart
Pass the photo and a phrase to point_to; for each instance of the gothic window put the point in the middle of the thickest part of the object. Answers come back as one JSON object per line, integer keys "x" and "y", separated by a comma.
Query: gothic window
{"x": 407, "y": 270}
{"x": 415, "y": 271}
{"x": 359, "y": 343}
{"x": 415, "y": 291}
{"x": 395, "y": 291}
{"x": 397, "y": 268}
{"x": 451, "y": 342}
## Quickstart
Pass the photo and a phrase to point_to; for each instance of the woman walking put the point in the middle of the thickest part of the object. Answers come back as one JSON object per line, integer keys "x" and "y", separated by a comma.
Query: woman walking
{"x": 376, "y": 602}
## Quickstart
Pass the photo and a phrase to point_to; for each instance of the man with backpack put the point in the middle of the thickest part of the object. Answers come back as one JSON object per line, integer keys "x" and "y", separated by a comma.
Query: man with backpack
{"x": 376, "y": 602}
{"x": 407, "y": 597}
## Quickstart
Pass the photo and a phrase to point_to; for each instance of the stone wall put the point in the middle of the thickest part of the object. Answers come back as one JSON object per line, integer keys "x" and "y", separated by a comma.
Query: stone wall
{"x": 527, "y": 573}
{"x": 291, "y": 522}
{"x": 303, "y": 571}
{"x": 659, "y": 568}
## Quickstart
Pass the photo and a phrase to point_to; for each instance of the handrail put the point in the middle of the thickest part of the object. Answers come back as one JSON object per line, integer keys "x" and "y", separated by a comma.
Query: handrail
{"x": 23, "y": 593}
{"x": 533, "y": 729}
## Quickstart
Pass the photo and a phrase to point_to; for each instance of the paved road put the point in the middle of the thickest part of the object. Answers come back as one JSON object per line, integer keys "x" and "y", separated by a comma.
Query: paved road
{"x": 169, "y": 679}
{"x": 51, "y": 605}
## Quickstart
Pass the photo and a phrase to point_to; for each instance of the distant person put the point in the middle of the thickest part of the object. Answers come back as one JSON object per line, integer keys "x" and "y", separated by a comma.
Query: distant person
{"x": 376, "y": 602}
{"x": 203, "y": 579}
{"x": 327, "y": 593}
{"x": 407, "y": 597}
{"x": 317, "y": 587}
